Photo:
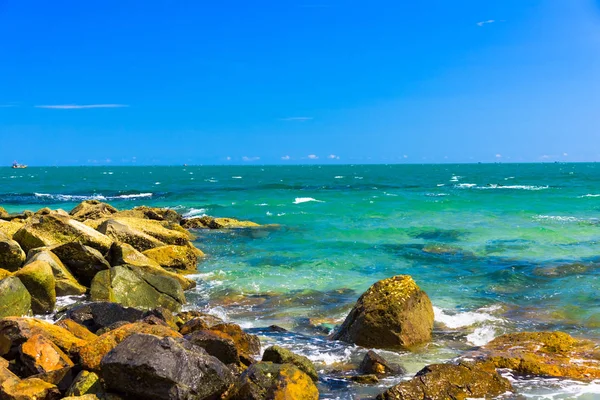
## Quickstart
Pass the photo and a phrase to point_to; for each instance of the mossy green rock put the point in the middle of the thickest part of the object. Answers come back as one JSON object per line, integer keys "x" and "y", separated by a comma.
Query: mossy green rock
{"x": 279, "y": 355}
{"x": 450, "y": 381}
{"x": 85, "y": 382}
{"x": 133, "y": 287}
{"x": 54, "y": 229}
{"x": 92, "y": 209}
{"x": 37, "y": 277}
{"x": 393, "y": 313}
{"x": 12, "y": 256}
{"x": 66, "y": 284}
{"x": 16, "y": 300}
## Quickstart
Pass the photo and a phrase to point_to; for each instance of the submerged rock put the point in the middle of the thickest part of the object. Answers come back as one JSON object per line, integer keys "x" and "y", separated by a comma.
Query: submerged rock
{"x": 373, "y": 363}
{"x": 65, "y": 282}
{"x": 450, "y": 381}
{"x": 265, "y": 380}
{"x": 148, "y": 367}
{"x": 11, "y": 254}
{"x": 16, "y": 300}
{"x": 92, "y": 209}
{"x": 37, "y": 277}
{"x": 279, "y": 355}
{"x": 393, "y": 313}
{"x": 545, "y": 353}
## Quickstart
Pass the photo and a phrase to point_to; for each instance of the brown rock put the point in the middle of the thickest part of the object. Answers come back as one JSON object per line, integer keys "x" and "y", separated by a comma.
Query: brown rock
{"x": 11, "y": 254}
{"x": 83, "y": 261}
{"x": 248, "y": 345}
{"x": 373, "y": 363}
{"x": 40, "y": 355}
{"x": 92, "y": 209}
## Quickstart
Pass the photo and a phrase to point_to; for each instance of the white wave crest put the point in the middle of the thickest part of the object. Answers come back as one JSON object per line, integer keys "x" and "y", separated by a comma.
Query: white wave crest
{"x": 465, "y": 185}
{"x": 562, "y": 218}
{"x": 338, "y": 177}
{"x": 589, "y": 195}
{"x": 69, "y": 197}
{"x": 195, "y": 212}
{"x": 481, "y": 336}
{"x": 236, "y": 177}
{"x": 463, "y": 319}
{"x": 300, "y": 200}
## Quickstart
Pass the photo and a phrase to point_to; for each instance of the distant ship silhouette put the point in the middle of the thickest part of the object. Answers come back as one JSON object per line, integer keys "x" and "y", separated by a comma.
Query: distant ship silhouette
{"x": 17, "y": 165}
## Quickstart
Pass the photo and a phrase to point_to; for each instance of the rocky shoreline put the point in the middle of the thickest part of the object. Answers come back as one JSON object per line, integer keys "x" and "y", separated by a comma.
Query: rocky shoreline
{"x": 130, "y": 339}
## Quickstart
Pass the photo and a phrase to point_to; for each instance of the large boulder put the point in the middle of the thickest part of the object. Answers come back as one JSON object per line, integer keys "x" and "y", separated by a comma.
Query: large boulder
{"x": 155, "y": 213}
{"x": 83, "y": 261}
{"x": 39, "y": 355}
{"x": 91, "y": 353}
{"x": 77, "y": 330}
{"x": 175, "y": 257}
{"x": 16, "y": 300}
{"x": 279, "y": 355}
{"x": 450, "y": 381}
{"x": 28, "y": 389}
{"x": 66, "y": 284}
{"x": 248, "y": 345}
{"x": 164, "y": 231}
{"x": 217, "y": 345}
{"x": 53, "y": 229}
{"x": 92, "y": 209}
{"x": 545, "y": 353}
{"x": 14, "y": 331}
{"x": 12, "y": 256}
{"x": 9, "y": 228}
{"x": 134, "y": 287}
{"x": 98, "y": 315}
{"x": 265, "y": 380}
{"x": 120, "y": 232}
{"x": 148, "y": 367}
{"x": 41, "y": 285}
{"x": 393, "y": 313}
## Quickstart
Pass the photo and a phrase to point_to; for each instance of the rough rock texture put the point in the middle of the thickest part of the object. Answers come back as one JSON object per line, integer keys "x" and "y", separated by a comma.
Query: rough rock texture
{"x": 155, "y": 213}
{"x": 450, "y": 381}
{"x": 91, "y": 353}
{"x": 37, "y": 277}
{"x": 216, "y": 223}
{"x": 40, "y": 355}
{"x": 134, "y": 287}
{"x": 170, "y": 319}
{"x": 122, "y": 253}
{"x": 16, "y": 300}
{"x": 9, "y": 228}
{"x": 148, "y": 367}
{"x": 373, "y": 363}
{"x": 198, "y": 322}
{"x": 265, "y": 381}
{"x": 92, "y": 209}
{"x": 3, "y": 213}
{"x": 54, "y": 229}
{"x": 175, "y": 257}
{"x": 248, "y": 345}
{"x": 28, "y": 389}
{"x": 77, "y": 330}
{"x": 85, "y": 383}
{"x": 393, "y": 313}
{"x": 83, "y": 261}
{"x": 11, "y": 254}
{"x": 164, "y": 231}
{"x": 101, "y": 314}
{"x": 15, "y": 330}
{"x": 545, "y": 353}
{"x": 279, "y": 355}
{"x": 120, "y": 232}
{"x": 66, "y": 284}
{"x": 216, "y": 344}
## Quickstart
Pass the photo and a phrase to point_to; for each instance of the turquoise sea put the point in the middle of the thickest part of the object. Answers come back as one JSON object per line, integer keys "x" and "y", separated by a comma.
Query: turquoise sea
{"x": 498, "y": 248}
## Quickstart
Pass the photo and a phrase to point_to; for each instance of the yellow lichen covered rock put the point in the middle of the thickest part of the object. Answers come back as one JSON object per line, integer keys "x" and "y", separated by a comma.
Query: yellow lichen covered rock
{"x": 12, "y": 256}
{"x": 9, "y": 228}
{"x": 207, "y": 222}
{"x": 393, "y": 313}
{"x": 28, "y": 389}
{"x": 40, "y": 355}
{"x": 545, "y": 353}
{"x": 66, "y": 284}
{"x": 77, "y": 330}
{"x": 41, "y": 285}
{"x": 92, "y": 209}
{"x": 175, "y": 257}
{"x": 164, "y": 231}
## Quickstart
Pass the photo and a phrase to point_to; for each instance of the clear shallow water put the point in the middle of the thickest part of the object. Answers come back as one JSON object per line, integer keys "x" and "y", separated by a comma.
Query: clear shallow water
{"x": 498, "y": 248}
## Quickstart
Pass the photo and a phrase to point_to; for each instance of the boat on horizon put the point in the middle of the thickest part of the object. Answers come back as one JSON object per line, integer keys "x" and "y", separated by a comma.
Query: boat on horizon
{"x": 17, "y": 165}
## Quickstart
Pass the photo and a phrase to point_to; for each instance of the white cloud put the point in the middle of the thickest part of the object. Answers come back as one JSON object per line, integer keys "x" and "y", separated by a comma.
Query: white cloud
{"x": 482, "y": 23}
{"x": 81, "y": 106}
{"x": 333, "y": 157}
{"x": 299, "y": 119}
{"x": 498, "y": 155}
{"x": 545, "y": 157}
{"x": 248, "y": 159}
{"x": 286, "y": 158}
{"x": 313, "y": 157}
{"x": 565, "y": 154}
{"x": 405, "y": 156}
{"x": 228, "y": 158}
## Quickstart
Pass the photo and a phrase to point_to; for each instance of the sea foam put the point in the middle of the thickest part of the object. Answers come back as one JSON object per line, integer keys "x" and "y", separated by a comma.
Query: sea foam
{"x": 300, "y": 200}
{"x": 69, "y": 197}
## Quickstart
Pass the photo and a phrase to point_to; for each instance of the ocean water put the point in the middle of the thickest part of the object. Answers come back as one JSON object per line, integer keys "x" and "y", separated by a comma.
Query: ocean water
{"x": 498, "y": 248}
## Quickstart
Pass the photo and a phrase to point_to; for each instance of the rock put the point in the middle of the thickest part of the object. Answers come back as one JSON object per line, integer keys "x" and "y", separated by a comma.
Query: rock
{"x": 200, "y": 323}
{"x": 373, "y": 363}
{"x": 217, "y": 344}
{"x": 28, "y": 389}
{"x": 66, "y": 284}
{"x": 393, "y": 313}
{"x": 164, "y": 315}
{"x": 122, "y": 253}
{"x": 9, "y": 228}
{"x": 134, "y": 287}
{"x": 16, "y": 300}
{"x": 114, "y": 326}
{"x": 120, "y": 232}
{"x": 4, "y": 274}
{"x": 83, "y": 261}
{"x": 369, "y": 379}
{"x": 3, "y": 213}
{"x": 545, "y": 353}
{"x": 450, "y": 381}
{"x": 40, "y": 355}
{"x": 155, "y": 213}
{"x": 92, "y": 353}
{"x": 54, "y": 229}
{"x": 94, "y": 316}
{"x": 11, "y": 254}
{"x": 77, "y": 330}
{"x": 248, "y": 345}
{"x": 85, "y": 383}
{"x": 16, "y": 330}
{"x": 164, "y": 231}
{"x": 37, "y": 277}
{"x": 217, "y": 223}
{"x": 147, "y": 367}
{"x": 279, "y": 355}
{"x": 209, "y": 319}
{"x": 92, "y": 209}
{"x": 175, "y": 257}
{"x": 265, "y": 380}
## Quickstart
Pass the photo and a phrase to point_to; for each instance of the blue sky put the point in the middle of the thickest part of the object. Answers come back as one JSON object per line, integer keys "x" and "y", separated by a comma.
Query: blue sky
{"x": 306, "y": 81}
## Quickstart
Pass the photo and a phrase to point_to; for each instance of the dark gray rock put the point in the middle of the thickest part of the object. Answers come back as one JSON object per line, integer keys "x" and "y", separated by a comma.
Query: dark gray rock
{"x": 95, "y": 316}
